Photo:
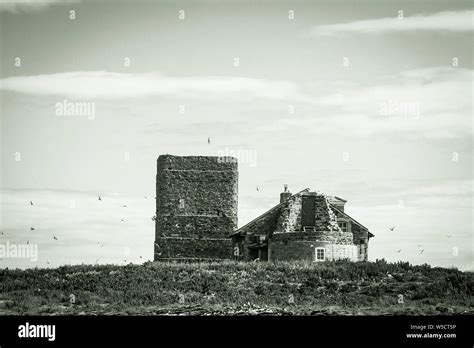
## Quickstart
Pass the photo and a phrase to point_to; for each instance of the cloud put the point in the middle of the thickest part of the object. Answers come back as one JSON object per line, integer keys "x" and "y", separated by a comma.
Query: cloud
{"x": 21, "y": 6}
{"x": 451, "y": 21}
{"x": 111, "y": 85}
{"x": 434, "y": 102}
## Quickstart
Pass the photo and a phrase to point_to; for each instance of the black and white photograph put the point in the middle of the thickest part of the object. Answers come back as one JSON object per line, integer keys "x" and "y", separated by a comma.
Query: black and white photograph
{"x": 236, "y": 164}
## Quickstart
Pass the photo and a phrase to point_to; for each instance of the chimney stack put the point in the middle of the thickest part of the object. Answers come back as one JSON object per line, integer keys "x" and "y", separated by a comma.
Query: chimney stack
{"x": 285, "y": 194}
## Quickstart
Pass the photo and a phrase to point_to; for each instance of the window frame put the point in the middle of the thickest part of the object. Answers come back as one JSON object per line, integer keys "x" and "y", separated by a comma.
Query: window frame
{"x": 316, "y": 259}
{"x": 339, "y": 223}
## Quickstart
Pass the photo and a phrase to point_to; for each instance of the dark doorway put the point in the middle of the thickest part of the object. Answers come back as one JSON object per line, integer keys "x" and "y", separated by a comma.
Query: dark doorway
{"x": 253, "y": 253}
{"x": 308, "y": 211}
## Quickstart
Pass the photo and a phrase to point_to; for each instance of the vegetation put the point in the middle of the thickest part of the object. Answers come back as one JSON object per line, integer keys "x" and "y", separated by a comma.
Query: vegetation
{"x": 223, "y": 288}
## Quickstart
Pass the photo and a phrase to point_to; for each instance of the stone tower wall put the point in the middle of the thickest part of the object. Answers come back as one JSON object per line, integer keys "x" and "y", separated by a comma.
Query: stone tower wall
{"x": 196, "y": 202}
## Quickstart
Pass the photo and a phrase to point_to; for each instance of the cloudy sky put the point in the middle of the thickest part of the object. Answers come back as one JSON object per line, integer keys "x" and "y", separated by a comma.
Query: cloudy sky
{"x": 369, "y": 101}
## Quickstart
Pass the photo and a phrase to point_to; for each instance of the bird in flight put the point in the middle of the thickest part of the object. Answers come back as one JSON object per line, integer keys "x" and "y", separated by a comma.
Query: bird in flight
{"x": 31, "y": 202}
{"x": 391, "y": 228}
{"x": 258, "y": 189}
{"x": 55, "y": 238}
{"x": 100, "y": 198}
{"x": 421, "y": 252}
{"x": 124, "y": 206}
{"x": 399, "y": 250}
{"x": 101, "y": 245}
{"x": 209, "y": 140}
{"x": 32, "y": 228}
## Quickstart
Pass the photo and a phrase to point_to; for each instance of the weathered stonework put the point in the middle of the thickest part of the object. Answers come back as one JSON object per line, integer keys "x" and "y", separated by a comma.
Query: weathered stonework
{"x": 325, "y": 220}
{"x": 279, "y": 234}
{"x": 360, "y": 235}
{"x": 304, "y": 250}
{"x": 194, "y": 249}
{"x": 196, "y": 207}
{"x": 196, "y": 213}
{"x": 301, "y": 246}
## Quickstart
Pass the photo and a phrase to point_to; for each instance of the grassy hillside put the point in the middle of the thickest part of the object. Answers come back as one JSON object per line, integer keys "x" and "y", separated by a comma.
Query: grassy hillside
{"x": 238, "y": 288}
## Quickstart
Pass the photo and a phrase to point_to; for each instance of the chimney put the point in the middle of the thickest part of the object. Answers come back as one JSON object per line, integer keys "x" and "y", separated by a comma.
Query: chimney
{"x": 285, "y": 194}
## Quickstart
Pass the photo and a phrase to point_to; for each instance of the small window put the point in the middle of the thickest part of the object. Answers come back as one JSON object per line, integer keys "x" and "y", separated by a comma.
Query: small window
{"x": 343, "y": 225}
{"x": 319, "y": 254}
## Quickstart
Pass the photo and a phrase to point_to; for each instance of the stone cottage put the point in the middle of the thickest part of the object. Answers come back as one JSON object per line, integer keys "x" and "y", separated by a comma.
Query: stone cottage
{"x": 303, "y": 226}
{"x": 196, "y": 218}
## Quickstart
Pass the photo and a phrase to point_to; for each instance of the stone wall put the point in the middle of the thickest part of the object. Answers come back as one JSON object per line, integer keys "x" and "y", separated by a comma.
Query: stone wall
{"x": 360, "y": 235}
{"x": 192, "y": 248}
{"x": 289, "y": 221}
{"x": 289, "y": 249}
{"x": 361, "y": 239}
{"x": 290, "y": 217}
{"x": 341, "y": 251}
{"x": 295, "y": 250}
{"x": 288, "y": 241}
{"x": 196, "y": 204}
{"x": 337, "y": 237}
{"x": 200, "y": 226}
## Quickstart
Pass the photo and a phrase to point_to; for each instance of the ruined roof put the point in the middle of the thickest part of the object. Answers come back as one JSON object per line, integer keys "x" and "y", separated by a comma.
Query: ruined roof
{"x": 261, "y": 218}
{"x": 352, "y": 219}
{"x": 274, "y": 212}
{"x": 332, "y": 199}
